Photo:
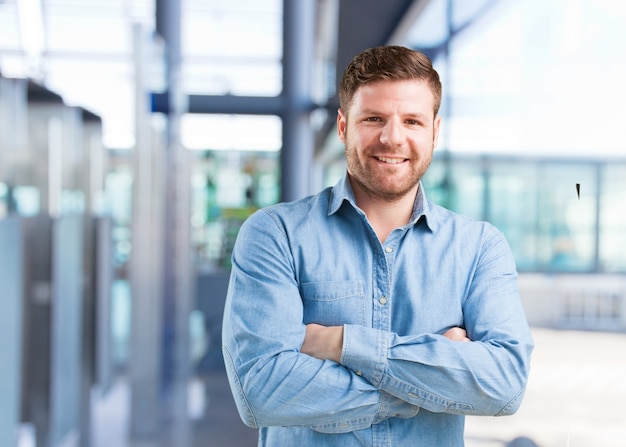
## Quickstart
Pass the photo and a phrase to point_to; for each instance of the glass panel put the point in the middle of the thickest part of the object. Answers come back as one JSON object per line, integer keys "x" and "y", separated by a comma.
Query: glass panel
{"x": 613, "y": 219}
{"x": 499, "y": 105}
{"x": 467, "y": 186}
{"x": 536, "y": 205}
{"x": 435, "y": 180}
{"x": 232, "y": 47}
{"x": 231, "y": 132}
{"x": 567, "y": 224}
{"x": 512, "y": 208}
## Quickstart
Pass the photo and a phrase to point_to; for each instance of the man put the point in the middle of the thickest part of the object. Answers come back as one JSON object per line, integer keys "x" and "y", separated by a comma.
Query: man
{"x": 366, "y": 315}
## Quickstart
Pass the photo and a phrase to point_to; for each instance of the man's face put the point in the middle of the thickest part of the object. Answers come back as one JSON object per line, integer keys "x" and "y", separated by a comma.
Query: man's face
{"x": 389, "y": 134}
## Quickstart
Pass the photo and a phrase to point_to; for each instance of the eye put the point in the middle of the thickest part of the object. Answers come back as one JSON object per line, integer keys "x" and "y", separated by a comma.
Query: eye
{"x": 372, "y": 119}
{"x": 413, "y": 122}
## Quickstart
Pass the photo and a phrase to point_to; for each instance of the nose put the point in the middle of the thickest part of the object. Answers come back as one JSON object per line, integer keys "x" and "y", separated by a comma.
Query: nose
{"x": 392, "y": 133}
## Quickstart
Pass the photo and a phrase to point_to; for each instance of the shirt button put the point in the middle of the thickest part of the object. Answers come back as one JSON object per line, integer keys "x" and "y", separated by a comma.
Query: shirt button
{"x": 382, "y": 300}
{"x": 358, "y": 373}
{"x": 388, "y": 249}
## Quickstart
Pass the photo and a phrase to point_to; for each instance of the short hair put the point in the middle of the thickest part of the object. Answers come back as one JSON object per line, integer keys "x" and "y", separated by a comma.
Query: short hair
{"x": 388, "y": 63}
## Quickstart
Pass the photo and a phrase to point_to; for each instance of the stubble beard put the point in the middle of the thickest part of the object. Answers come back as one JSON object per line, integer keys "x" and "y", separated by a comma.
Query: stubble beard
{"x": 378, "y": 188}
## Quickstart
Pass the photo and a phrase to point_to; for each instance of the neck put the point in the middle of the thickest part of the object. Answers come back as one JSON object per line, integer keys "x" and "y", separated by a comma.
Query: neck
{"x": 385, "y": 215}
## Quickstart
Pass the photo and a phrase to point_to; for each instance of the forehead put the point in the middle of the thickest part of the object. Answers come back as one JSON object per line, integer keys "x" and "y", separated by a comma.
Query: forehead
{"x": 413, "y": 95}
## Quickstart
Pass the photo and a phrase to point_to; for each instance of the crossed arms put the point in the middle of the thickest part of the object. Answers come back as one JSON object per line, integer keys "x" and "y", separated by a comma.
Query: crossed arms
{"x": 346, "y": 377}
{"x": 325, "y": 343}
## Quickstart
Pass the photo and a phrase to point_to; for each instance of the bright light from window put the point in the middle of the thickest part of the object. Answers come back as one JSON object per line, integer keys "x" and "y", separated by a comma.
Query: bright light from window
{"x": 231, "y": 132}
{"x": 535, "y": 77}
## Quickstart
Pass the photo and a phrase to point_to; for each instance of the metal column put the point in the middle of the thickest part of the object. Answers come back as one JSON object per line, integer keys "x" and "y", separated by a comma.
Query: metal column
{"x": 145, "y": 263}
{"x": 298, "y": 136}
{"x": 177, "y": 268}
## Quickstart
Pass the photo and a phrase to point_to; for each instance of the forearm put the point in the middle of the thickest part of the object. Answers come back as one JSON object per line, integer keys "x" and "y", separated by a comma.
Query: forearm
{"x": 440, "y": 375}
{"x": 326, "y": 342}
{"x": 293, "y": 389}
{"x": 285, "y": 391}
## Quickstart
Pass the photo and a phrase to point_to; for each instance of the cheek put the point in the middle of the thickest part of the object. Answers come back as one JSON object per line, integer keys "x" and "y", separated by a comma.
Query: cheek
{"x": 362, "y": 138}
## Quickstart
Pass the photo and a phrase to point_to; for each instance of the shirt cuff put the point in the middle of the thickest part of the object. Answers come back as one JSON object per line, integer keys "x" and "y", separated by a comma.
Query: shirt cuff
{"x": 364, "y": 351}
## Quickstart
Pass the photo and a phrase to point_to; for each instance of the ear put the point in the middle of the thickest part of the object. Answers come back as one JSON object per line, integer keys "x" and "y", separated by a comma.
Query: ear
{"x": 436, "y": 127}
{"x": 342, "y": 123}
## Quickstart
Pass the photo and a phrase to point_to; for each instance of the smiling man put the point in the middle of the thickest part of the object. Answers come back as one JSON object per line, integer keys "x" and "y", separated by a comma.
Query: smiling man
{"x": 366, "y": 315}
{"x": 389, "y": 137}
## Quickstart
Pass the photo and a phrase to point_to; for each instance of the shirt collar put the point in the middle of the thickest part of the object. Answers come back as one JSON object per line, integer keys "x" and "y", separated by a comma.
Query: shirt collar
{"x": 342, "y": 192}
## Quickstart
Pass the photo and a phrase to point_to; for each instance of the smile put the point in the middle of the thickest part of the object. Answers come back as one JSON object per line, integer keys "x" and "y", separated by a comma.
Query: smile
{"x": 392, "y": 161}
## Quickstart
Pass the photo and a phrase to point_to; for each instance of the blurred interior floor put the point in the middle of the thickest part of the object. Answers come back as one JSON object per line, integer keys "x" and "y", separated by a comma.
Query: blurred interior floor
{"x": 215, "y": 421}
{"x": 576, "y": 397}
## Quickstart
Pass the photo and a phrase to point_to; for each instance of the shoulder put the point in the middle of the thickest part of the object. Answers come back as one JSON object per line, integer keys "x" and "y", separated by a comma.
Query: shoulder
{"x": 449, "y": 221}
{"x": 288, "y": 215}
{"x": 466, "y": 234}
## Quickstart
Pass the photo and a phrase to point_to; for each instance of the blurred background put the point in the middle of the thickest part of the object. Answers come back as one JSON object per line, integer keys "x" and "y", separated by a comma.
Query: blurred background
{"x": 136, "y": 136}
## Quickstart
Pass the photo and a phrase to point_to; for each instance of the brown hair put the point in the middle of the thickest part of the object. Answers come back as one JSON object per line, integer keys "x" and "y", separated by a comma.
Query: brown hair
{"x": 388, "y": 63}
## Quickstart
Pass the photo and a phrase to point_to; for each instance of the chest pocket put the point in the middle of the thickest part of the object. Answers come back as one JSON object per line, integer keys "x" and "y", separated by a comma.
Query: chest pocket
{"x": 333, "y": 303}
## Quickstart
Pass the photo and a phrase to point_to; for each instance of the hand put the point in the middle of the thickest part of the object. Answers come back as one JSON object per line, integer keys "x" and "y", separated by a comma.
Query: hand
{"x": 456, "y": 334}
{"x": 323, "y": 342}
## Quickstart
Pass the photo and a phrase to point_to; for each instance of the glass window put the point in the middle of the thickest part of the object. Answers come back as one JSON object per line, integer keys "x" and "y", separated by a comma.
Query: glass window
{"x": 231, "y": 132}
{"x": 516, "y": 82}
{"x": 435, "y": 180}
{"x": 566, "y": 224}
{"x": 535, "y": 203}
{"x": 512, "y": 207}
{"x": 612, "y": 237}
{"x": 467, "y": 188}
{"x": 232, "y": 47}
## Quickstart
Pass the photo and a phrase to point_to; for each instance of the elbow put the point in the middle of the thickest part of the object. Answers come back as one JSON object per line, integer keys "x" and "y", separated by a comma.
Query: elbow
{"x": 506, "y": 398}
{"x": 255, "y": 409}
{"x": 244, "y": 407}
{"x": 512, "y": 405}
{"x": 496, "y": 404}
{"x": 517, "y": 380}
{"x": 507, "y": 403}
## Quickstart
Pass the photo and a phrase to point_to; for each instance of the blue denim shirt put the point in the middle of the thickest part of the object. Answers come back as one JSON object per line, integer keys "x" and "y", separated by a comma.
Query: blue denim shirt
{"x": 399, "y": 382}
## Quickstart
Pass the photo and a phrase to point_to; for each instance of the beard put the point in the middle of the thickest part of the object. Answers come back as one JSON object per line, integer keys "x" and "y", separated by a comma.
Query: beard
{"x": 373, "y": 179}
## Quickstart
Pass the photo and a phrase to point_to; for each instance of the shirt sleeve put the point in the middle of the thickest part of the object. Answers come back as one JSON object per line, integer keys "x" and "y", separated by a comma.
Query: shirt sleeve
{"x": 273, "y": 383}
{"x": 486, "y": 376}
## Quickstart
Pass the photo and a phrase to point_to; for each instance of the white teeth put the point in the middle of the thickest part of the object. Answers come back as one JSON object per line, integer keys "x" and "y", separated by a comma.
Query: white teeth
{"x": 392, "y": 161}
